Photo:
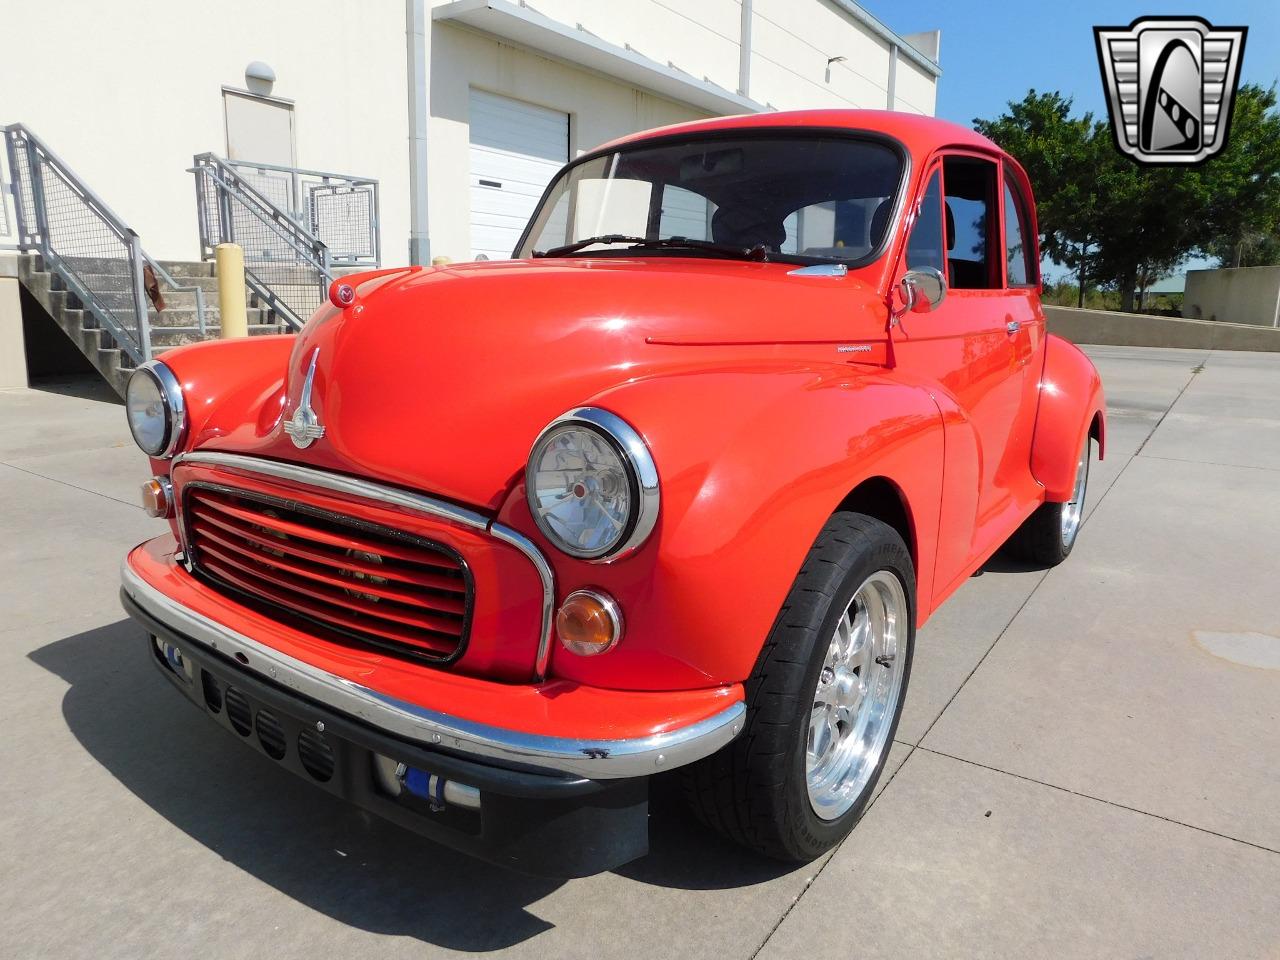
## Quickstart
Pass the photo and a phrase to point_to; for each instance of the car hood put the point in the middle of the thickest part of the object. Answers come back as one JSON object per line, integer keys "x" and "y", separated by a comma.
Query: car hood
{"x": 442, "y": 379}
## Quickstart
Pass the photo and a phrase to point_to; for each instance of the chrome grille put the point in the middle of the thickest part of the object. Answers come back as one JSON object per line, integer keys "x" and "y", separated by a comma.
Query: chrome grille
{"x": 369, "y": 583}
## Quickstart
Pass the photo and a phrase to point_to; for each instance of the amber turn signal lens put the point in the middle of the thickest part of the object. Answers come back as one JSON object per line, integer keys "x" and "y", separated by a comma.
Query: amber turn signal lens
{"x": 589, "y": 622}
{"x": 157, "y": 498}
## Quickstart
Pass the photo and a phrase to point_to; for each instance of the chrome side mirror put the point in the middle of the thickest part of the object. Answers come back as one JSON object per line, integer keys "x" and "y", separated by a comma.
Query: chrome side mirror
{"x": 923, "y": 289}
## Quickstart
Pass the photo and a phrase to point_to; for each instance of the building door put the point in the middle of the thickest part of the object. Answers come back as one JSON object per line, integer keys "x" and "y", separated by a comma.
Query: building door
{"x": 259, "y": 129}
{"x": 516, "y": 148}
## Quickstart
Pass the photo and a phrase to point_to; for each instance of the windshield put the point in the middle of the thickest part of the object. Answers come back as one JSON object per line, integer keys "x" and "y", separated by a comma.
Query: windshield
{"x": 802, "y": 197}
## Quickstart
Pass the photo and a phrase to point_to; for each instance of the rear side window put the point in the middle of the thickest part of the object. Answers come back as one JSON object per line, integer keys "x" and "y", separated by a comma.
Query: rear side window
{"x": 1019, "y": 270}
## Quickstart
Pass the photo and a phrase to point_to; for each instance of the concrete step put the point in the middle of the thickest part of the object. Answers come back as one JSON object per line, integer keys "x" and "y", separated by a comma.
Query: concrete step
{"x": 122, "y": 282}
{"x": 188, "y": 268}
{"x": 123, "y": 299}
{"x": 277, "y": 273}
{"x": 184, "y": 317}
{"x": 162, "y": 340}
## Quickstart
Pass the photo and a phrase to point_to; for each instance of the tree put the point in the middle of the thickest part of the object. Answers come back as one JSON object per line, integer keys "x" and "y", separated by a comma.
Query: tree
{"x": 1244, "y": 183}
{"x": 1058, "y": 154}
{"x": 1126, "y": 224}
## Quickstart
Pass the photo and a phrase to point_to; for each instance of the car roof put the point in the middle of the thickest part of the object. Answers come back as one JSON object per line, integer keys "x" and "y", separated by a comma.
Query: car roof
{"x": 921, "y": 135}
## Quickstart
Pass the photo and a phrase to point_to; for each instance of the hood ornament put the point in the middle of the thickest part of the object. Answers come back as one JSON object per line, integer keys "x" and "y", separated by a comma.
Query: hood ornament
{"x": 304, "y": 427}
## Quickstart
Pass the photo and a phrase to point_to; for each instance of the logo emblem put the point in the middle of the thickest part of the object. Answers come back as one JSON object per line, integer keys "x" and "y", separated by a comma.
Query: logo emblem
{"x": 304, "y": 427}
{"x": 1170, "y": 84}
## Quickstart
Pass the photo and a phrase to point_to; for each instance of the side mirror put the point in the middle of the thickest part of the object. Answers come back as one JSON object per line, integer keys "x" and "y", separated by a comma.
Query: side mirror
{"x": 923, "y": 289}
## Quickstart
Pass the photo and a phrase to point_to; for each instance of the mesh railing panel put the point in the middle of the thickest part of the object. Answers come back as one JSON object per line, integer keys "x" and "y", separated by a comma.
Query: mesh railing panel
{"x": 92, "y": 252}
{"x": 344, "y": 220}
{"x": 90, "y": 248}
{"x": 341, "y": 211}
{"x": 274, "y": 186}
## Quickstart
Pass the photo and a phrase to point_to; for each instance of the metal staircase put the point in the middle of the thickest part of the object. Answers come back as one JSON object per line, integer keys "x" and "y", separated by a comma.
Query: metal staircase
{"x": 121, "y": 306}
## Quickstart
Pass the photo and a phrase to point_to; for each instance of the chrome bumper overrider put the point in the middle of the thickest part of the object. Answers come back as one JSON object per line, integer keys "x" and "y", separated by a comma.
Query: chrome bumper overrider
{"x": 595, "y": 759}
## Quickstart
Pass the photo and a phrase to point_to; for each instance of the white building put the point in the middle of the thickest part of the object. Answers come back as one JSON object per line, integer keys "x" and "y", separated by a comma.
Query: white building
{"x": 462, "y": 109}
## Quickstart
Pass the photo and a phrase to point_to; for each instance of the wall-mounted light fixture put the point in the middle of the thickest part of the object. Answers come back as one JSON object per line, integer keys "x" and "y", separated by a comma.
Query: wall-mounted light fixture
{"x": 259, "y": 78}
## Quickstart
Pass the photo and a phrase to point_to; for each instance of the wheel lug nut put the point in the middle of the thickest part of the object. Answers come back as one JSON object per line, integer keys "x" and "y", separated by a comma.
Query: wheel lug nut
{"x": 828, "y": 674}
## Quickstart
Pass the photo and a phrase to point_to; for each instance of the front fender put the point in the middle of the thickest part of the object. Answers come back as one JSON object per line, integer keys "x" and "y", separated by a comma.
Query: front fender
{"x": 228, "y": 385}
{"x": 1071, "y": 401}
{"x": 751, "y": 464}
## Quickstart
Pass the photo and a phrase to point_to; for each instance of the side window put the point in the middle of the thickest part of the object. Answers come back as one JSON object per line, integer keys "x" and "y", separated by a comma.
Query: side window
{"x": 971, "y": 218}
{"x": 924, "y": 246}
{"x": 1017, "y": 252}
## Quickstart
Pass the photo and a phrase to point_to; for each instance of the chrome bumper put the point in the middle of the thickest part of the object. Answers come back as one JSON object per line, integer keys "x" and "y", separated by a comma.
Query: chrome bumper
{"x": 594, "y": 759}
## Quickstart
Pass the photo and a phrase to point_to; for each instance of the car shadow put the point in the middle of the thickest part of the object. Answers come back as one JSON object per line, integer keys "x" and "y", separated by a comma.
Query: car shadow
{"x": 314, "y": 848}
{"x": 1005, "y": 562}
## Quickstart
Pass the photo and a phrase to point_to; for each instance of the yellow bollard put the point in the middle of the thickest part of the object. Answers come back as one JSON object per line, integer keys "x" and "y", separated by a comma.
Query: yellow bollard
{"x": 229, "y": 262}
{"x": 441, "y": 261}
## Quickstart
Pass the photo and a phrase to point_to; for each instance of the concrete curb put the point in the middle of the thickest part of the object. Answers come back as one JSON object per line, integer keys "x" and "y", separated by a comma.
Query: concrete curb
{"x": 1140, "y": 330}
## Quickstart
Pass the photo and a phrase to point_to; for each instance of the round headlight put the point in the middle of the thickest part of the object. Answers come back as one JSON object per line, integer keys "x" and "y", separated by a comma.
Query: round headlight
{"x": 592, "y": 485}
{"x": 154, "y": 406}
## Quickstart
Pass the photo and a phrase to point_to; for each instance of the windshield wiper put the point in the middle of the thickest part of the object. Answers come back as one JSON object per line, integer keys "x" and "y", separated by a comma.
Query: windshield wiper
{"x": 758, "y": 252}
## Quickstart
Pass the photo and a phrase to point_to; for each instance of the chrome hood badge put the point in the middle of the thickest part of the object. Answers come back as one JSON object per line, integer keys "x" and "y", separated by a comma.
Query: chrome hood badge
{"x": 304, "y": 427}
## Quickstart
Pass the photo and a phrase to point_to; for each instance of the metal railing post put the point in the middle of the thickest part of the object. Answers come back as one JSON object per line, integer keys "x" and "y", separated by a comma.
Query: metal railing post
{"x": 326, "y": 274}
{"x": 376, "y": 227}
{"x": 136, "y": 261}
{"x": 21, "y": 232}
{"x": 36, "y": 172}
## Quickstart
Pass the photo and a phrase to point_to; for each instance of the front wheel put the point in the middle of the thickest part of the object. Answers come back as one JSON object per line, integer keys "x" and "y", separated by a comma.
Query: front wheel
{"x": 1047, "y": 536}
{"x": 823, "y": 701}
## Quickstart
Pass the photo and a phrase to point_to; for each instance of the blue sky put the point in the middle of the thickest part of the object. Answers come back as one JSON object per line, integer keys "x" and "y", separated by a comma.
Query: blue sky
{"x": 994, "y": 52}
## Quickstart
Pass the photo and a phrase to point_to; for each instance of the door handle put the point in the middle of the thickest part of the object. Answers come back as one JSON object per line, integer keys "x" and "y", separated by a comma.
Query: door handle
{"x": 1012, "y": 327}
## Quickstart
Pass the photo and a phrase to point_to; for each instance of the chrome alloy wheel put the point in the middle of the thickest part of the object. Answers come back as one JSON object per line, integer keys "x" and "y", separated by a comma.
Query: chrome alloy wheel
{"x": 1073, "y": 509}
{"x": 857, "y": 695}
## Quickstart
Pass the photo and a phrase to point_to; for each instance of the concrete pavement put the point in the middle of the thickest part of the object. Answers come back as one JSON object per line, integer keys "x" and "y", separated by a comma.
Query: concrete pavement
{"x": 1087, "y": 764}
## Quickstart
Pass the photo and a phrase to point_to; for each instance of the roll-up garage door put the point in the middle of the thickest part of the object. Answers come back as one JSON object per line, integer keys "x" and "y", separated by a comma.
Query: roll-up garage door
{"x": 516, "y": 148}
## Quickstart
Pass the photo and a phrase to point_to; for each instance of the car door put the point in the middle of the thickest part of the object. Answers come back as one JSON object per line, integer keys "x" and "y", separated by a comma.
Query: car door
{"x": 1024, "y": 319}
{"x": 968, "y": 351}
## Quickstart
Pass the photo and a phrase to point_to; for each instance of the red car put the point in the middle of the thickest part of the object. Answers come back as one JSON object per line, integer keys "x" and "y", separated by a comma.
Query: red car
{"x": 485, "y": 547}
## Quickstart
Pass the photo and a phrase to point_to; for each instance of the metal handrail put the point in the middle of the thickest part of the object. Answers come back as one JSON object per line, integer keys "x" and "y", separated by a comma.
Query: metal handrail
{"x": 229, "y": 210}
{"x": 75, "y": 228}
{"x": 302, "y": 171}
{"x": 358, "y": 244}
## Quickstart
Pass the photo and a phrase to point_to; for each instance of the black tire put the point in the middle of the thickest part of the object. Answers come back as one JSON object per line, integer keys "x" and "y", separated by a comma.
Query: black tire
{"x": 1040, "y": 539}
{"x": 754, "y": 791}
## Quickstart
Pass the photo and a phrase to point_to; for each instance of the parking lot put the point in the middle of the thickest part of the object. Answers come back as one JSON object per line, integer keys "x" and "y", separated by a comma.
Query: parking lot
{"x": 1088, "y": 764}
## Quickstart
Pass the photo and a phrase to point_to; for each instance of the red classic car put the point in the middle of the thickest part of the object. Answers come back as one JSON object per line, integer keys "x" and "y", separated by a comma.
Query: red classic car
{"x": 487, "y": 546}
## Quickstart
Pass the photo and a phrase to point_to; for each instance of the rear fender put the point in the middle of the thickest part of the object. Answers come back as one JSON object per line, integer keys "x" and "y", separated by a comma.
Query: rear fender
{"x": 1071, "y": 404}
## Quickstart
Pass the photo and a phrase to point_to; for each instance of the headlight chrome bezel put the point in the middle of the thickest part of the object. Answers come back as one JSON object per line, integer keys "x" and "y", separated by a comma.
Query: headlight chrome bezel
{"x": 637, "y": 461}
{"x": 175, "y": 409}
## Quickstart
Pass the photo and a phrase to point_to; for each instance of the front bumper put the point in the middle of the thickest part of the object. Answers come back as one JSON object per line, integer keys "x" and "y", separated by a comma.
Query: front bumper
{"x": 596, "y": 758}
{"x": 540, "y": 824}
{"x": 547, "y": 803}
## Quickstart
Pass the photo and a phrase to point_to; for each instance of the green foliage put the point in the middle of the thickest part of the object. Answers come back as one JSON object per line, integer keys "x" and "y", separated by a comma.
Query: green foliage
{"x": 1243, "y": 212}
{"x": 1125, "y": 225}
